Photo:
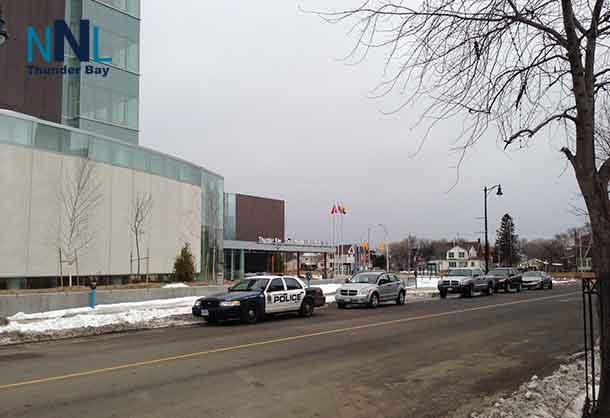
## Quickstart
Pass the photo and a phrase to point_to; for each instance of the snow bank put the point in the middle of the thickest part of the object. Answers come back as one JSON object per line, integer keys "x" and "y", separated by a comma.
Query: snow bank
{"x": 103, "y": 319}
{"x": 329, "y": 290}
{"x": 565, "y": 280}
{"x": 107, "y": 318}
{"x": 559, "y": 395}
{"x": 427, "y": 282}
{"x": 175, "y": 285}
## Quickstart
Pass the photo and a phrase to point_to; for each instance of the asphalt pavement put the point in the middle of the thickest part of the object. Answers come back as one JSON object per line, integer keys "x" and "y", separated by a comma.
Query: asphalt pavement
{"x": 433, "y": 358}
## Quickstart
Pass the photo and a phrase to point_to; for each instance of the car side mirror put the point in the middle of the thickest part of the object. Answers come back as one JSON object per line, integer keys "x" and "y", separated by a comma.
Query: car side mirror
{"x": 346, "y": 280}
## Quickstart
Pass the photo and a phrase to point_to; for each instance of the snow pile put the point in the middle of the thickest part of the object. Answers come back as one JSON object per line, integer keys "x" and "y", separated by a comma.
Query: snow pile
{"x": 175, "y": 285}
{"x": 559, "y": 395}
{"x": 427, "y": 282}
{"x": 329, "y": 290}
{"x": 565, "y": 280}
{"x": 103, "y": 319}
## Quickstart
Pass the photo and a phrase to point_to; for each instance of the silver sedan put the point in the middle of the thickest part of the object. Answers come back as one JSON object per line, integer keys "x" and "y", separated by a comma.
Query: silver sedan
{"x": 371, "y": 288}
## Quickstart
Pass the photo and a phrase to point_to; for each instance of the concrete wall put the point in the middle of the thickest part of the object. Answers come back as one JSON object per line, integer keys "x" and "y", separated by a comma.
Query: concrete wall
{"x": 43, "y": 302}
{"x": 31, "y": 183}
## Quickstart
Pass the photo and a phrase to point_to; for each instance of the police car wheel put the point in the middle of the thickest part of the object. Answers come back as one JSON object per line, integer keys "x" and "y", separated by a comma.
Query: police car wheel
{"x": 306, "y": 308}
{"x": 250, "y": 315}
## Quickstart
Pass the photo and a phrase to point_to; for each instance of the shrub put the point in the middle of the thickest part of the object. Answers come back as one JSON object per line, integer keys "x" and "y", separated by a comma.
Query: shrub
{"x": 184, "y": 266}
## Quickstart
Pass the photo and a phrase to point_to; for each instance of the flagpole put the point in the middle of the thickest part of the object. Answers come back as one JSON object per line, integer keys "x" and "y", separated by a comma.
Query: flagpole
{"x": 341, "y": 243}
{"x": 332, "y": 234}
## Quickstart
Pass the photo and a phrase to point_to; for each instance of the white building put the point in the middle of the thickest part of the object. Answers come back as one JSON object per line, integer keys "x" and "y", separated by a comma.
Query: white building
{"x": 460, "y": 257}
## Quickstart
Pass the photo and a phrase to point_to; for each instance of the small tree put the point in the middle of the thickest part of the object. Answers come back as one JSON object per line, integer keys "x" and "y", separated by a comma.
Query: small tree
{"x": 142, "y": 206}
{"x": 184, "y": 266}
{"x": 79, "y": 196}
{"x": 507, "y": 242}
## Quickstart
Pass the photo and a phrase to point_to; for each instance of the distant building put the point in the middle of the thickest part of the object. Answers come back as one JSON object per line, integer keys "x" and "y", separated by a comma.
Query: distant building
{"x": 460, "y": 257}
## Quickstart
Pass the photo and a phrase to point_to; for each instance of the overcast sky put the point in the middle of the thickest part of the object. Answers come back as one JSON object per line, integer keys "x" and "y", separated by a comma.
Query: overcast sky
{"x": 256, "y": 91}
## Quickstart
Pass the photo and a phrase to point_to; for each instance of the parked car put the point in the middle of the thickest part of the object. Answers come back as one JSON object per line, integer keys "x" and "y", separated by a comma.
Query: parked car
{"x": 371, "y": 288}
{"x": 465, "y": 281}
{"x": 537, "y": 280}
{"x": 254, "y": 298}
{"x": 506, "y": 278}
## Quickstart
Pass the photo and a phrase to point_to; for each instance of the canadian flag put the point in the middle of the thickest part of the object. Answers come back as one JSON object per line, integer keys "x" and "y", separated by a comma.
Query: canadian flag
{"x": 334, "y": 210}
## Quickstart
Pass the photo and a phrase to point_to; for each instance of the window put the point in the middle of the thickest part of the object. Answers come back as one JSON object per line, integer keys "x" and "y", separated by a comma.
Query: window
{"x": 15, "y": 131}
{"x": 50, "y": 138}
{"x": 109, "y": 106}
{"x": 292, "y": 284}
{"x": 462, "y": 254}
{"x": 172, "y": 170}
{"x": 452, "y": 264}
{"x": 451, "y": 255}
{"x": 122, "y": 50}
{"x": 157, "y": 164}
{"x": 131, "y": 7}
{"x": 122, "y": 155}
{"x": 385, "y": 279}
{"x": 276, "y": 286}
{"x": 140, "y": 160}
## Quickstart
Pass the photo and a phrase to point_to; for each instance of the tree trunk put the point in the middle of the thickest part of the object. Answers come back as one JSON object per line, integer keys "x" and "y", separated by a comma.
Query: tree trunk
{"x": 598, "y": 205}
{"x": 138, "y": 254}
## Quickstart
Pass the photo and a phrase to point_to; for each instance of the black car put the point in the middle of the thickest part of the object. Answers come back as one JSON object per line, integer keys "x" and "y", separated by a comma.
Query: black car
{"x": 253, "y": 298}
{"x": 506, "y": 278}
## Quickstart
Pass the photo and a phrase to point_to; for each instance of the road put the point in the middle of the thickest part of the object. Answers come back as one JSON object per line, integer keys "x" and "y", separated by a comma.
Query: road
{"x": 425, "y": 359}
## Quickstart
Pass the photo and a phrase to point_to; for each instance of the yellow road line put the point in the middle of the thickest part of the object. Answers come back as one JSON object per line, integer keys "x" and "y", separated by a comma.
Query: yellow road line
{"x": 272, "y": 341}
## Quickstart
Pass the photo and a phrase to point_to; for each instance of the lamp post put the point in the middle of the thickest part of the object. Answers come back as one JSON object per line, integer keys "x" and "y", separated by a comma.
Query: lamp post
{"x": 486, "y": 191}
{"x": 3, "y": 29}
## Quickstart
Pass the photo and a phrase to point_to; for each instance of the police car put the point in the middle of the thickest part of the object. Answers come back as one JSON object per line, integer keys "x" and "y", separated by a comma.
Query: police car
{"x": 254, "y": 298}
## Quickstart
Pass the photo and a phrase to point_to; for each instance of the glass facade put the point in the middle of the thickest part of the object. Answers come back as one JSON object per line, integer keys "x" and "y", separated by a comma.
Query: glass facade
{"x": 106, "y": 105}
{"x": 131, "y": 7}
{"x": 230, "y": 216}
{"x": 49, "y": 137}
{"x": 212, "y": 213}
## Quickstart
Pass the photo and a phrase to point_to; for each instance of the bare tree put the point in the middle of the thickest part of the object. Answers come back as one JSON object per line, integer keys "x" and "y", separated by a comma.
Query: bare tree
{"x": 79, "y": 195}
{"x": 521, "y": 66}
{"x": 142, "y": 206}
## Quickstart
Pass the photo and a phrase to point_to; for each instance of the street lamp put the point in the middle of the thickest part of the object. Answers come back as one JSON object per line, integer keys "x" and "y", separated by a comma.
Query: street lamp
{"x": 3, "y": 30}
{"x": 486, "y": 191}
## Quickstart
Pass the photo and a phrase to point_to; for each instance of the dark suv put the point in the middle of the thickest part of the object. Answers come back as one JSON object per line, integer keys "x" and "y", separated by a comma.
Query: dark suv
{"x": 506, "y": 278}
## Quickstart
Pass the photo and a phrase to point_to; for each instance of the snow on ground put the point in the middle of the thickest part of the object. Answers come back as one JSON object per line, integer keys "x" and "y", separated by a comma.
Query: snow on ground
{"x": 427, "y": 282}
{"x": 102, "y": 319}
{"x": 565, "y": 280}
{"x": 107, "y": 318}
{"x": 560, "y": 395}
{"x": 175, "y": 285}
{"x": 329, "y": 290}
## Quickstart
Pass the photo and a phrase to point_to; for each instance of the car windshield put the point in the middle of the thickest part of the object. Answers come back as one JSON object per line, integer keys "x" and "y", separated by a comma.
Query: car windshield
{"x": 532, "y": 274}
{"x": 365, "y": 278}
{"x": 499, "y": 272}
{"x": 460, "y": 272}
{"x": 250, "y": 285}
